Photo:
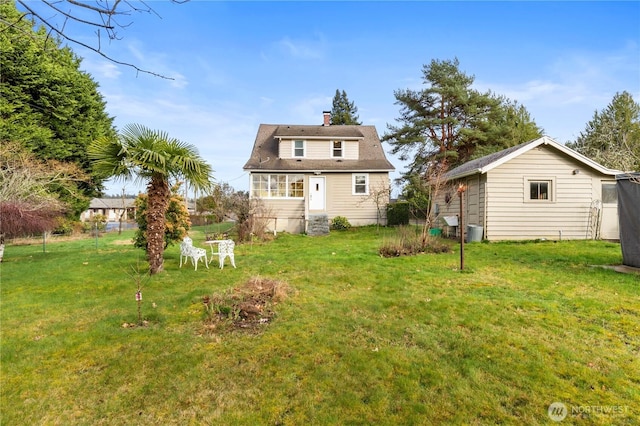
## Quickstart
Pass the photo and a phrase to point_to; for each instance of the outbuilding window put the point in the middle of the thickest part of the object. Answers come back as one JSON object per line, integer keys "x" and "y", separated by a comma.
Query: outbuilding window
{"x": 609, "y": 193}
{"x": 539, "y": 190}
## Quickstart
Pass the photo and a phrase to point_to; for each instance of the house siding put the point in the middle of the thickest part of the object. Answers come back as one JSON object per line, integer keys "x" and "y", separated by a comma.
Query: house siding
{"x": 358, "y": 209}
{"x": 290, "y": 214}
{"x": 284, "y": 215}
{"x": 318, "y": 149}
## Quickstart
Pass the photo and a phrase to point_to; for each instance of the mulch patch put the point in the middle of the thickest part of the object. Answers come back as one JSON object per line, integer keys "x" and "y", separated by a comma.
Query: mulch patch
{"x": 249, "y": 307}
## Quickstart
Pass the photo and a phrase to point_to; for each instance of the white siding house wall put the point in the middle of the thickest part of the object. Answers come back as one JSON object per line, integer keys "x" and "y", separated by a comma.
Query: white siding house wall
{"x": 511, "y": 215}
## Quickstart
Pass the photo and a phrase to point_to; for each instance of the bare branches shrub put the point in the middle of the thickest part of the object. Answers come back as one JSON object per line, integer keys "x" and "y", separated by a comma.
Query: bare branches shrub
{"x": 253, "y": 218}
{"x": 410, "y": 241}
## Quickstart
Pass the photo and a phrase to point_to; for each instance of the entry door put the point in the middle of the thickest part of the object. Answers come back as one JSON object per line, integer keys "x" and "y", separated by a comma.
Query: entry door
{"x": 316, "y": 193}
{"x": 609, "y": 222}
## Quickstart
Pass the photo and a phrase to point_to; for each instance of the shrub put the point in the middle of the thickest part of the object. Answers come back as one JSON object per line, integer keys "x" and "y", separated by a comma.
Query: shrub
{"x": 66, "y": 226}
{"x": 398, "y": 213}
{"x": 410, "y": 241}
{"x": 340, "y": 223}
{"x": 177, "y": 221}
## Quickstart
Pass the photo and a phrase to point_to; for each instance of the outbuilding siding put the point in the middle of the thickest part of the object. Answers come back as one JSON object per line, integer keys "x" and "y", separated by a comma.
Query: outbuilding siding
{"x": 512, "y": 216}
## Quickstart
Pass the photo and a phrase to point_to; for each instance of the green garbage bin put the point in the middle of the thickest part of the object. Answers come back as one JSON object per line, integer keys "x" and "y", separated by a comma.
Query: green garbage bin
{"x": 436, "y": 232}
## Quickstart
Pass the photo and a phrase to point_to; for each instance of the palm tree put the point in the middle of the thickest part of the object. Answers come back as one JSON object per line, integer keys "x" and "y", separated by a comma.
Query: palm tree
{"x": 152, "y": 157}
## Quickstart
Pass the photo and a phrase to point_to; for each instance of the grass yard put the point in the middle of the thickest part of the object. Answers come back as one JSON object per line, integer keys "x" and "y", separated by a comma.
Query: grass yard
{"x": 360, "y": 339}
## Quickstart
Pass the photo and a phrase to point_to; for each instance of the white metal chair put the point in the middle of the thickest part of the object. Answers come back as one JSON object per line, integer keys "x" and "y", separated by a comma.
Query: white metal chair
{"x": 188, "y": 251}
{"x": 225, "y": 249}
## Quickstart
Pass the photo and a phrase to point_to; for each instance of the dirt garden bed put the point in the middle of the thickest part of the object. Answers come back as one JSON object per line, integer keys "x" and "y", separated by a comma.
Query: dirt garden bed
{"x": 249, "y": 307}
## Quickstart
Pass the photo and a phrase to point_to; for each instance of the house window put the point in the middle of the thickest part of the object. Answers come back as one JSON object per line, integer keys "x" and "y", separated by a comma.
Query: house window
{"x": 277, "y": 186}
{"x": 298, "y": 149}
{"x": 337, "y": 149}
{"x": 609, "y": 193}
{"x": 296, "y": 186}
{"x": 360, "y": 184}
{"x": 540, "y": 190}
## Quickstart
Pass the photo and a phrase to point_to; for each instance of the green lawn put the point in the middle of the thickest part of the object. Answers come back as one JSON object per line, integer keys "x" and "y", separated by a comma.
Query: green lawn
{"x": 360, "y": 339}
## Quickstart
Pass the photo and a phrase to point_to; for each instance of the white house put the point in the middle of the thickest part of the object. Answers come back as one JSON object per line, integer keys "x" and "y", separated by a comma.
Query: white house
{"x": 111, "y": 208}
{"x": 304, "y": 170}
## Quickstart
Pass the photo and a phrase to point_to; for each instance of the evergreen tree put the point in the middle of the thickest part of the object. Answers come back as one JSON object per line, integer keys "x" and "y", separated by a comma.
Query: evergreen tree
{"x": 612, "y": 137}
{"x": 509, "y": 124}
{"x": 47, "y": 103}
{"x": 447, "y": 122}
{"x": 343, "y": 111}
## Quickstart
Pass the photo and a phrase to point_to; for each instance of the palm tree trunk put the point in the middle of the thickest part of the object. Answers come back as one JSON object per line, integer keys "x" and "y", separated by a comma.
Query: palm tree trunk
{"x": 159, "y": 194}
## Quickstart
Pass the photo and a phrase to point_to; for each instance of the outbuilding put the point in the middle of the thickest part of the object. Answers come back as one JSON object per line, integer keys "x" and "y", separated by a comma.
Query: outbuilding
{"x": 536, "y": 190}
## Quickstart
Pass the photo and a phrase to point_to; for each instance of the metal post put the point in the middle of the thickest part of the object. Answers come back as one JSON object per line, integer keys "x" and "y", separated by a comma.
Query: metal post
{"x": 461, "y": 188}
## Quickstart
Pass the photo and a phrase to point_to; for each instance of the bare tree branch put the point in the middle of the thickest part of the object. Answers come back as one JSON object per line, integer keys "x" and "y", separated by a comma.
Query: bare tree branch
{"x": 104, "y": 19}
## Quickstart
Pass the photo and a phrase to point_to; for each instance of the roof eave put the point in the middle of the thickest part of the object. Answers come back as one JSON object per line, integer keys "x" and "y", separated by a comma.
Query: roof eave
{"x": 307, "y": 137}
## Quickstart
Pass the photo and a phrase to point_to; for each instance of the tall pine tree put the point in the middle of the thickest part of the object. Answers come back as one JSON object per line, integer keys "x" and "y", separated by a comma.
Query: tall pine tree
{"x": 448, "y": 121}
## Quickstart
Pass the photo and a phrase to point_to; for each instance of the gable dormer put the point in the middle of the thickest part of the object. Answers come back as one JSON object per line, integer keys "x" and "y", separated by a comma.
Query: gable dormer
{"x": 318, "y": 142}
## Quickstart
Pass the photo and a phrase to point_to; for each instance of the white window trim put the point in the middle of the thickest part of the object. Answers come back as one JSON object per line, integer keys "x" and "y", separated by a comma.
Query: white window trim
{"x": 341, "y": 149}
{"x": 293, "y": 148}
{"x": 527, "y": 188}
{"x": 353, "y": 184}
{"x": 269, "y": 197}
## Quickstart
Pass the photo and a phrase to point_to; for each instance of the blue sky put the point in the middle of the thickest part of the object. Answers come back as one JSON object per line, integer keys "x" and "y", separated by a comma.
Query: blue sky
{"x": 238, "y": 64}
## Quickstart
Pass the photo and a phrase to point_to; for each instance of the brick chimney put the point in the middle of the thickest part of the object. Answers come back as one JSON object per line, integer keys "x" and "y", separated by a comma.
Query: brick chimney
{"x": 327, "y": 118}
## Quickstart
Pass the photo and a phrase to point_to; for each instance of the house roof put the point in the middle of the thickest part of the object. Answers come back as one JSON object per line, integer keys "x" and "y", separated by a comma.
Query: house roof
{"x": 488, "y": 162}
{"x": 264, "y": 156}
{"x": 111, "y": 203}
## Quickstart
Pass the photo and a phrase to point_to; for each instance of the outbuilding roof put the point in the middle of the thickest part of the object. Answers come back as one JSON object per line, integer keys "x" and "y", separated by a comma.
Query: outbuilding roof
{"x": 488, "y": 162}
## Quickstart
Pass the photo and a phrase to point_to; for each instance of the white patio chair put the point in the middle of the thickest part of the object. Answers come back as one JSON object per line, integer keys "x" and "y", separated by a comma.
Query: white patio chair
{"x": 188, "y": 251}
{"x": 225, "y": 249}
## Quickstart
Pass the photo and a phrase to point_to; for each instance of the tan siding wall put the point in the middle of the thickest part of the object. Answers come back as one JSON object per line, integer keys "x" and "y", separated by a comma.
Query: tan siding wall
{"x": 289, "y": 214}
{"x": 358, "y": 209}
{"x": 285, "y": 149}
{"x": 351, "y": 150}
{"x": 319, "y": 149}
{"x": 511, "y": 216}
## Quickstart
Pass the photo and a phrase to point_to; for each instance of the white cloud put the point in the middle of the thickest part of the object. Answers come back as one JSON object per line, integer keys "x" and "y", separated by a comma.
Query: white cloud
{"x": 303, "y": 49}
{"x": 101, "y": 69}
{"x": 563, "y": 94}
{"x": 309, "y": 110}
